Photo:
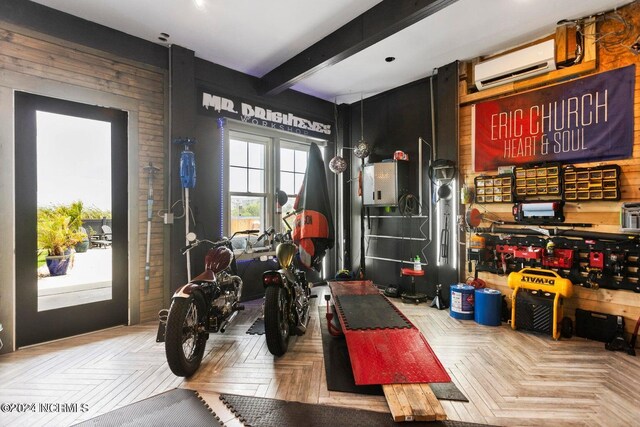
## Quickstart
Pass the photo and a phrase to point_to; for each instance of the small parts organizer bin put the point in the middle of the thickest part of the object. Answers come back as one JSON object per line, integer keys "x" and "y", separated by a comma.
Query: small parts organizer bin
{"x": 596, "y": 183}
{"x": 550, "y": 181}
{"x": 494, "y": 189}
{"x": 538, "y": 181}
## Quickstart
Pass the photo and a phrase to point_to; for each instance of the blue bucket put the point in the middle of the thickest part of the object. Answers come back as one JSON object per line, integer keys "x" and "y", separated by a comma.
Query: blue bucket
{"x": 488, "y": 307}
{"x": 462, "y": 301}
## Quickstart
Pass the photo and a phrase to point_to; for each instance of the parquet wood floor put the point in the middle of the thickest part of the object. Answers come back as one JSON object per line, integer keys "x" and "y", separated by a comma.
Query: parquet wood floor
{"x": 511, "y": 378}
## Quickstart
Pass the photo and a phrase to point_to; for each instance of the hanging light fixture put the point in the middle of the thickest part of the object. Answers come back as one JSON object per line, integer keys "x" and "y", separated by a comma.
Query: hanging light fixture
{"x": 338, "y": 165}
{"x": 362, "y": 149}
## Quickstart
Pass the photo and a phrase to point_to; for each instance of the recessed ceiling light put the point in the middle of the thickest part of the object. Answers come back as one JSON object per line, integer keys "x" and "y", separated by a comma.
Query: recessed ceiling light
{"x": 199, "y": 3}
{"x": 390, "y": 58}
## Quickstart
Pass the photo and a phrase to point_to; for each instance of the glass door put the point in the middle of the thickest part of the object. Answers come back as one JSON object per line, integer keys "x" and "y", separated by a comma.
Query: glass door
{"x": 71, "y": 236}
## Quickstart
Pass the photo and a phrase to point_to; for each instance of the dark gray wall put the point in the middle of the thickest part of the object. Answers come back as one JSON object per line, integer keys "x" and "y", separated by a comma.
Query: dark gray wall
{"x": 447, "y": 117}
{"x": 394, "y": 121}
{"x": 189, "y": 73}
{"x": 344, "y": 126}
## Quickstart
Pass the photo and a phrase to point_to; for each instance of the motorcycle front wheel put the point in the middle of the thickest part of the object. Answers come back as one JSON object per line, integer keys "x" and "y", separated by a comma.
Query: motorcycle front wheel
{"x": 184, "y": 342}
{"x": 276, "y": 320}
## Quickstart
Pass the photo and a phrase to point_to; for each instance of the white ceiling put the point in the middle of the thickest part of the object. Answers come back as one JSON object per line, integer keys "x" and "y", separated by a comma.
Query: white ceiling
{"x": 254, "y": 36}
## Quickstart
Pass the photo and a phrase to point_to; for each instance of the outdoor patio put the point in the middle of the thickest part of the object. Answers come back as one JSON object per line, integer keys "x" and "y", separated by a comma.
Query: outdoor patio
{"x": 88, "y": 279}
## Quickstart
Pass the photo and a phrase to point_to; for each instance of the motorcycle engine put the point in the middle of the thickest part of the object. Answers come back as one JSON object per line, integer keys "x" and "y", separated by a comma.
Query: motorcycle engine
{"x": 301, "y": 303}
{"x": 300, "y": 300}
{"x": 228, "y": 296}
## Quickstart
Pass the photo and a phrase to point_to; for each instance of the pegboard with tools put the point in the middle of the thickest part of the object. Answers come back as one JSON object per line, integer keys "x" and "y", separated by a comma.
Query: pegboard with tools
{"x": 591, "y": 263}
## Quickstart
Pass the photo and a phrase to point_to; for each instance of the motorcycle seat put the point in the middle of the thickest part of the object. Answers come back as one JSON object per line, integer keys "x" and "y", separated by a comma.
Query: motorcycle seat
{"x": 206, "y": 275}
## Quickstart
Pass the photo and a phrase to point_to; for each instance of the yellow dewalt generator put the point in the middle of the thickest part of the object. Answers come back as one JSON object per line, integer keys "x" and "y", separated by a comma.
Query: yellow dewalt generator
{"x": 536, "y": 302}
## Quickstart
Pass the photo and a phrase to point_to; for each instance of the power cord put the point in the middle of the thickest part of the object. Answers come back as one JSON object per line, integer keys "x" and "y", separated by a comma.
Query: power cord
{"x": 409, "y": 205}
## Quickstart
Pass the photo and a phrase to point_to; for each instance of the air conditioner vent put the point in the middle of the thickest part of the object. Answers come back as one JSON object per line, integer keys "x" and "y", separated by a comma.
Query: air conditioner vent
{"x": 521, "y": 64}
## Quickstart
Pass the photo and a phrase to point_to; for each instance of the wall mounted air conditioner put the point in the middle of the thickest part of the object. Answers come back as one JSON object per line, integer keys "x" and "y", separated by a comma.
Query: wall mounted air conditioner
{"x": 518, "y": 65}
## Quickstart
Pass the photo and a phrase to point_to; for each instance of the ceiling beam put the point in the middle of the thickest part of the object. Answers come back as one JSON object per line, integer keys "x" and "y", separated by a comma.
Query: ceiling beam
{"x": 381, "y": 21}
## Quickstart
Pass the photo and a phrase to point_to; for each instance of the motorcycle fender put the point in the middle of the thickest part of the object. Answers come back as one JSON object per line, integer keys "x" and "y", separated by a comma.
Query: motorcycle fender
{"x": 283, "y": 272}
{"x": 185, "y": 291}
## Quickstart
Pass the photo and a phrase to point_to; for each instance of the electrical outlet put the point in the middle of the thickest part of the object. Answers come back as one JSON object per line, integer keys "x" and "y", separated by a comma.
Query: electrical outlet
{"x": 168, "y": 218}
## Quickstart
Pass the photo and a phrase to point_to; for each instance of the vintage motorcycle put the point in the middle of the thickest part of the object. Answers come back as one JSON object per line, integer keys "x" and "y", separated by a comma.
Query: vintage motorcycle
{"x": 208, "y": 303}
{"x": 287, "y": 294}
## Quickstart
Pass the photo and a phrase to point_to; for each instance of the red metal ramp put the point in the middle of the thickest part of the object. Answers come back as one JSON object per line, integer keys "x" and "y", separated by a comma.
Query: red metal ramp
{"x": 384, "y": 355}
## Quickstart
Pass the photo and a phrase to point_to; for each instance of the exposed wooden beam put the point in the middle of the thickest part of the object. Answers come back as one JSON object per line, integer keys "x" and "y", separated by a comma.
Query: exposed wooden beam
{"x": 381, "y": 21}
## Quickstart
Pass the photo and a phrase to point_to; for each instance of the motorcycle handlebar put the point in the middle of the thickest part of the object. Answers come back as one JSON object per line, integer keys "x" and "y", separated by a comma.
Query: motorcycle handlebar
{"x": 188, "y": 247}
{"x": 292, "y": 213}
{"x": 289, "y": 215}
{"x": 247, "y": 232}
{"x": 195, "y": 243}
{"x": 268, "y": 232}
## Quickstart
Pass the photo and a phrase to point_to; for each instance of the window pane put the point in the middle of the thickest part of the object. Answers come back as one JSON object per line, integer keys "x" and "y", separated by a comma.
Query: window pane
{"x": 299, "y": 178}
{"x": 256, "y": 181}
{"x": 287, "y": 183}
{"x": 237, "y": 153}
{"x": 301, "y": 161}
{"x": 286, "y": 160}
{"x": 238, "y": 180}
{"x": 256, "y": 156}
{"x": 247, "y": 213}
{"x": 87, "y": 276}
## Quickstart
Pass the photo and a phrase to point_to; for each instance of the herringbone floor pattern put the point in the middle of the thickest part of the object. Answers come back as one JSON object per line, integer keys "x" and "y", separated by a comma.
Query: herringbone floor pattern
{"x": 511, "y": 378}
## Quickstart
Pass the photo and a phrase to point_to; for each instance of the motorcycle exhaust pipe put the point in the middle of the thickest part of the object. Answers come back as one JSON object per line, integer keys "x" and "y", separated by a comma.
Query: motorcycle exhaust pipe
{"x": 301, "y": 328}
{"x": 223, "y": 326}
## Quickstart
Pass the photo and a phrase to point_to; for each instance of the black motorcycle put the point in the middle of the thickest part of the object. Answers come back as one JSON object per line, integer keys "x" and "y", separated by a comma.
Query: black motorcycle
{"x": 208, "y": 303}
{"x": 287, "y": 294}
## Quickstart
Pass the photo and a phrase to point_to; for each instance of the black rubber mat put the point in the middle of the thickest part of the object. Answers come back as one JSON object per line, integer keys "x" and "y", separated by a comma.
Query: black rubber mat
{"x": 258, "y": 411}
{"x": 447, "y": 391}
{"x": 369, "y": 312}
{"x": 339, "y": 373}
{"x": 337, "y": 364}
{"x": 257, "y": 328}
{"x": 178, "y": 407}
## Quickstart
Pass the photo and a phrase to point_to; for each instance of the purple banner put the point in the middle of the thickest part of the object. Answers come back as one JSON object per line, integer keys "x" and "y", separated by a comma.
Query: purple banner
{"x": 585, "y": 120}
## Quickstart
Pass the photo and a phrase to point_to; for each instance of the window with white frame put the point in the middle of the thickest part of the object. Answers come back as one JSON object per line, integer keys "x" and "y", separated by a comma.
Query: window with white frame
{"x": 293, "y": 165}
{"x": 259, "y": 162}
{"x": 247, "y": 181}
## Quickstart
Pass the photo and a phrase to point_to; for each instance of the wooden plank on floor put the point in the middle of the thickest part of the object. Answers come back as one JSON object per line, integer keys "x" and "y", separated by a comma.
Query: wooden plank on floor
{"x": 397, "y": 408}
{"x": 434, "y": 402}
{"x": 420, "y": 406}
{"x": 413, "y": 402}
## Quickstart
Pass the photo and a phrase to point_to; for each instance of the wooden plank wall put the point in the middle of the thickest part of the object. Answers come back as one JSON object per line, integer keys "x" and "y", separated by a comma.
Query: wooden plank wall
{"x": 43, "y": 57}
{"x": 604, "y": 214}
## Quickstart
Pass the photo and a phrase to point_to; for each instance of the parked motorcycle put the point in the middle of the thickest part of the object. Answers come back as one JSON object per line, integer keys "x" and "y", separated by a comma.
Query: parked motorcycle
{"x": 208, "y": 303}
{"x": 287, "y": 294}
